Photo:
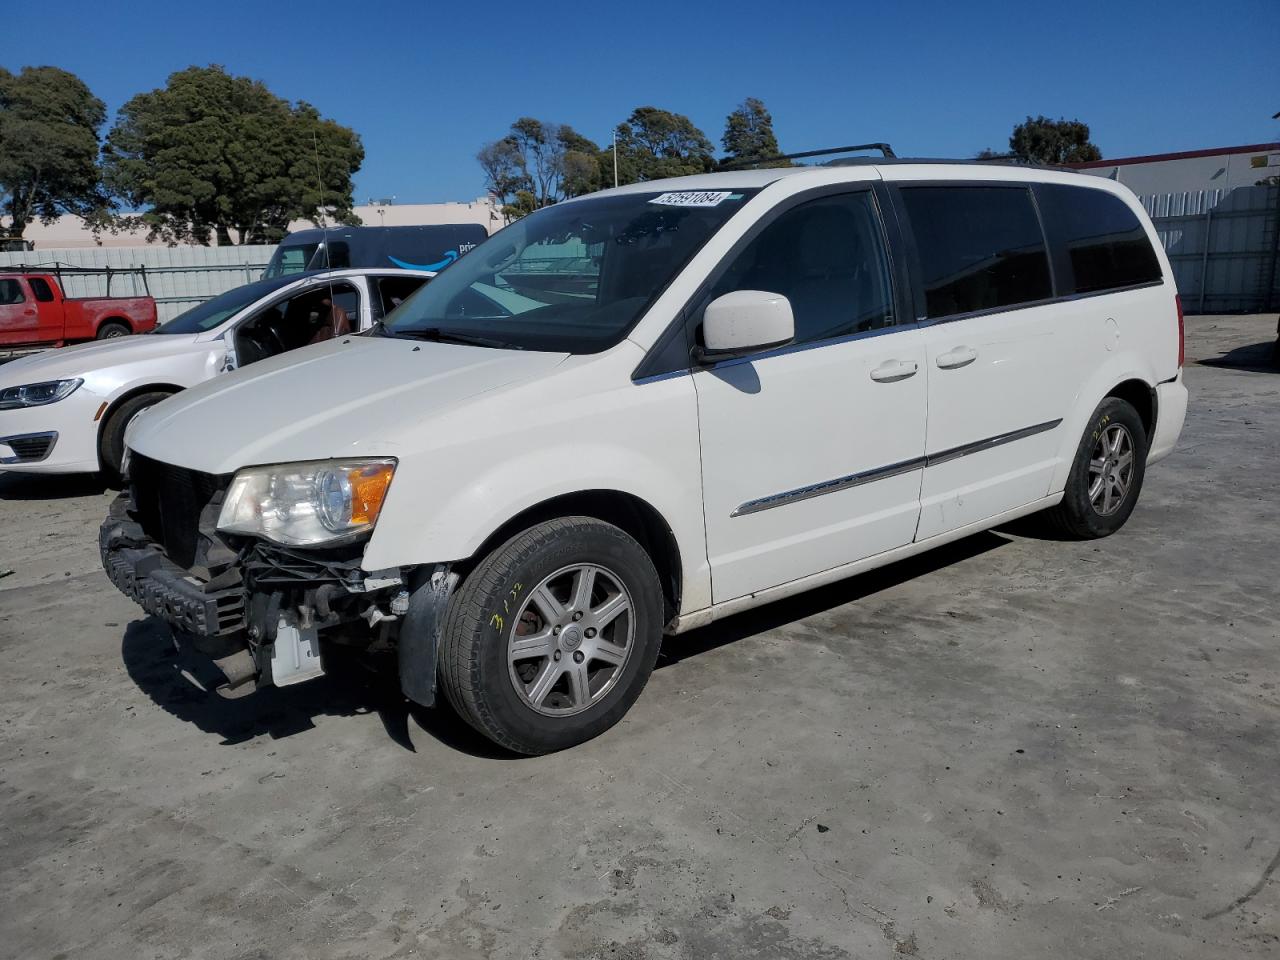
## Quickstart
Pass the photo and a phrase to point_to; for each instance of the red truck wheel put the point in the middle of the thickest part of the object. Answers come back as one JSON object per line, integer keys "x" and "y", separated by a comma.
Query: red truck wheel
{"x": 111, "y": 329}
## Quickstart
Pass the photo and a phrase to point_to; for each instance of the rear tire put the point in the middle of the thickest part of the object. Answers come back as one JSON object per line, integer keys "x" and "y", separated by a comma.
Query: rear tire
{"x": 1106, "y": 475}
{"x": 111, "y": 441}
{"x": 112, "y": 329}
{"x": 551, "y": 638}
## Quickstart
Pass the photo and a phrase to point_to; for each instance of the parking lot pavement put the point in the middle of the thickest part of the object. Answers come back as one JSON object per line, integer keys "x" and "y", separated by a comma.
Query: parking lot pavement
{"x": 1013, "y": 747}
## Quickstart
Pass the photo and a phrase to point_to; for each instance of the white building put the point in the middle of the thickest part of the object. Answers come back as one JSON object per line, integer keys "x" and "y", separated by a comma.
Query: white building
{"x": 70, "y": 232}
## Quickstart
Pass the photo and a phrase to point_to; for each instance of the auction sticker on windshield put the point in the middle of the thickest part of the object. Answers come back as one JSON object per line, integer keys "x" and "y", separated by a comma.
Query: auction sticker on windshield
{"x": 693, "y": 198}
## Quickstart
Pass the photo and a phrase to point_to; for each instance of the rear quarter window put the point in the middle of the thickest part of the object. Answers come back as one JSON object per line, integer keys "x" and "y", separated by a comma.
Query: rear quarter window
{"x": 1100, "y": 236}
{"x": 979, "y": 247}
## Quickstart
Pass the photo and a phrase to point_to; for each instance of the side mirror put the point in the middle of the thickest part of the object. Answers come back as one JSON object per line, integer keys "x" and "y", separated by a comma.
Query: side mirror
{"x": 744, "y": 322}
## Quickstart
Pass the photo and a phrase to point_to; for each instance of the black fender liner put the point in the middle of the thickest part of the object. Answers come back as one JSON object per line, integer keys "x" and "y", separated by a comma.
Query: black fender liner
{"x": 419, "y": 639}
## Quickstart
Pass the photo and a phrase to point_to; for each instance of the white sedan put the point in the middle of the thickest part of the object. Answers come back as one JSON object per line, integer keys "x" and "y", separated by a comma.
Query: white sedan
{"x": 65, "y": 410}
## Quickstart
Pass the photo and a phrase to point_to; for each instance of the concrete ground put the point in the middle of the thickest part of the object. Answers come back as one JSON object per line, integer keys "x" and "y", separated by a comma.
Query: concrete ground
{"x": 1014, "y": 747}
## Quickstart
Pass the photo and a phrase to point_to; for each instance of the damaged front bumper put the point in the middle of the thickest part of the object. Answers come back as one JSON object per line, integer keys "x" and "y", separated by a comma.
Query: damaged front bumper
{"x": 260, "y": 611}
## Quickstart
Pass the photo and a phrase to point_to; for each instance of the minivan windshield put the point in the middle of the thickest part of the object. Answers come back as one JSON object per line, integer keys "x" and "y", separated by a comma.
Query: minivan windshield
{"x": 574, "y": 277}
{"x": 211, "y": 313}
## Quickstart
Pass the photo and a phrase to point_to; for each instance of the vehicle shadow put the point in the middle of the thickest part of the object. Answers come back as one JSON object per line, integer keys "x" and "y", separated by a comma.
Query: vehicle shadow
{"x": 1257, "y": 357}
{"x": 183, "y": 683}
{"x": 56, "y": 486}
{"x": 812, "y": 602}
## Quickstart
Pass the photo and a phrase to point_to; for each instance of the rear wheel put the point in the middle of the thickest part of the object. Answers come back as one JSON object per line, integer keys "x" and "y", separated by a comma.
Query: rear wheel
{"x": 111, "y": 441}
{"x": 550, "y": 640}
{"x": 112, "y": 329}
{"x": 1106, "y": 475}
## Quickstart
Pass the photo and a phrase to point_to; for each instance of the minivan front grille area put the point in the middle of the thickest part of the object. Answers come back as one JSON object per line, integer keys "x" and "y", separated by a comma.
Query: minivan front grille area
{"x": 169, "y": 501}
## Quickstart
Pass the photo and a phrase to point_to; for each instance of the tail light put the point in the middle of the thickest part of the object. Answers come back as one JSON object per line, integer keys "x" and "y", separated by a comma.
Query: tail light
{"x": 1182, "y": 332}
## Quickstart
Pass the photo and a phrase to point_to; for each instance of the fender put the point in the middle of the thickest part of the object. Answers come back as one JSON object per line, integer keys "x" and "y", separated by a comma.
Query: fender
{"x": 490, "y": 463}
{"x": 1127, "y": 365}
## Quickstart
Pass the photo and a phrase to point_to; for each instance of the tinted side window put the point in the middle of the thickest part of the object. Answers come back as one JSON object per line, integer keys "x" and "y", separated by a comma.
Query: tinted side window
{"x": 40, "y": 287}
{"x": 979, "y": 247}
{"x": 393, "y": 291}
{"x": 10, "y": 292}
{"x": 828, "y": 258}
{"x": 1104, "y": 240}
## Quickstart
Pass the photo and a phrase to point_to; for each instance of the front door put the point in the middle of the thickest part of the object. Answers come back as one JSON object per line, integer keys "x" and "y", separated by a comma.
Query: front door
{"x": 812, "y": 454}
{"x": 19, "y": 319}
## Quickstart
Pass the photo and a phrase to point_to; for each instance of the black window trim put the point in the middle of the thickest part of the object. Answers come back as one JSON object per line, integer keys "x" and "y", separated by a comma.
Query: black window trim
{"x": 1056, "y": 274}
{"x": 657, "y": 362}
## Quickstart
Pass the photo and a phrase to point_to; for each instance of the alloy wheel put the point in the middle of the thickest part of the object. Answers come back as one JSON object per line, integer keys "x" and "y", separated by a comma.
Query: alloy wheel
{"x": 571, "y": 640}
{"x": 1111, "y": 467}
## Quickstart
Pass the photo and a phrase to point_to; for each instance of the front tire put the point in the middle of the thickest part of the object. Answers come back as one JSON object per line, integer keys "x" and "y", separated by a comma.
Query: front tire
{"x": 1106, "y": 475}
{"x": 552, "y": 637}
{"x": 111, "y": 442}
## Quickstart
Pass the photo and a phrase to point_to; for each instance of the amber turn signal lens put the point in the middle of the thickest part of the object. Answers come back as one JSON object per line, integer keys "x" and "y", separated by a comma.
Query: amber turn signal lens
{"x": 368, "y": 490}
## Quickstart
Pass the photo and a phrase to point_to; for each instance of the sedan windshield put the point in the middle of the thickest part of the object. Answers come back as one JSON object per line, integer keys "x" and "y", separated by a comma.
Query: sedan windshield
{"x": 211, "y": 313}
{"x": 573, "y": 277}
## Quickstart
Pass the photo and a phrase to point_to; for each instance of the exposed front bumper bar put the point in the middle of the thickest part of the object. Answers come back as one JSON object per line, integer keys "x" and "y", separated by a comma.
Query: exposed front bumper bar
{"x": 260, "y": 617}
{"x": 142, "y": 572}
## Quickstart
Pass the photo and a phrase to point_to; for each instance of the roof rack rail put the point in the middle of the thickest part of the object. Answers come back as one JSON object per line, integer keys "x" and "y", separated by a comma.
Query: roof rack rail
{"x": 744, "y": 164}
{"x": 58, "y": 268}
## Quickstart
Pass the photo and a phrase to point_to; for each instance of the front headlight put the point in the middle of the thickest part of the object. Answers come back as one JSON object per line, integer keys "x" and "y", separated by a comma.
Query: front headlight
{"x": 37, "y": 394}
{"x": 307, "y": 504}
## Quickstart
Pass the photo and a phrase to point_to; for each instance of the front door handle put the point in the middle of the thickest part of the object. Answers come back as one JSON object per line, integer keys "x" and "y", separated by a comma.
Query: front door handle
{"x": 959, "y": 357}
{"x": 892, "y": 371}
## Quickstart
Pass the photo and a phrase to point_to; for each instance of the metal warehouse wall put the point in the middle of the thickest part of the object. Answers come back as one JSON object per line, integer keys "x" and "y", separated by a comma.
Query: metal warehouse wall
{"x": 1223, "y": 246}
{"x": 178, "y": 277}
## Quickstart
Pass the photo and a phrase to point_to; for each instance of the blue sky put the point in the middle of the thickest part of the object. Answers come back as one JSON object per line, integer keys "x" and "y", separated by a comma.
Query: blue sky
{"x": 426, "y": 83}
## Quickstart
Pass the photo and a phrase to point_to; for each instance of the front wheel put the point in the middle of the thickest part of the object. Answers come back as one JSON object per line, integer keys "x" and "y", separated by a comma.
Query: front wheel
{"x": 1106, "y": 475}
{"x": 111, "y": 441}
{"x": 551, "y": 638}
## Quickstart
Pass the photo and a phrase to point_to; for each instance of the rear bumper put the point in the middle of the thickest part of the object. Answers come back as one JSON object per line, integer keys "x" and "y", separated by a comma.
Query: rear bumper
{"x": 1171, "y": 413}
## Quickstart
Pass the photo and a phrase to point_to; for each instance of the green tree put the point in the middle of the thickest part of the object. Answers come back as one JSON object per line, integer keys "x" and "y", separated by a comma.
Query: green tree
{"x": 1052, "y": 142}
{"x": 654, "y": 143}
{"x": 537, "y": 164}
{"x": 210, "y": 153}
{"x": 748, "y": 134}
{"x": 49, "y": 124}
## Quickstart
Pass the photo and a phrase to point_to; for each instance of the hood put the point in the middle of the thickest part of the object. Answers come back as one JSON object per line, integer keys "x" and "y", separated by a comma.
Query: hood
{"x": 338, "y": 399}
{"x": 86, "y": 358}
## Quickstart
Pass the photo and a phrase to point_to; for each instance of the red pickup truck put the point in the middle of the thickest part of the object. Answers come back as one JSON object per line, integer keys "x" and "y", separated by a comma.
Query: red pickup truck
{"x": 35, "y": 312}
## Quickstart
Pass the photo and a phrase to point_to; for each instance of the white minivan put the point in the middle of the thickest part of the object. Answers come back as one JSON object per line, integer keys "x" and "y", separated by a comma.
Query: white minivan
{"x": 635, "y": 412}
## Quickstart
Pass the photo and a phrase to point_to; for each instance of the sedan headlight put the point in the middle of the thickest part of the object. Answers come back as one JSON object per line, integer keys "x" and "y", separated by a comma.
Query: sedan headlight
{"x": 307, "y": 504}
{"x": 37, "y": 394}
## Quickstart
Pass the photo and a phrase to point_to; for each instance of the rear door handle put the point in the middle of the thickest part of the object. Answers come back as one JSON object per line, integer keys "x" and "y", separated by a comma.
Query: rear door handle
{"x": 893, "y": 370}
{"x": 959, "y": 357}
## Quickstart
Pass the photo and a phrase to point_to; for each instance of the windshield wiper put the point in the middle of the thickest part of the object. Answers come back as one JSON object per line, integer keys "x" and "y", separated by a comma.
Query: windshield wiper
{"x": 437, "y": 335}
